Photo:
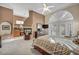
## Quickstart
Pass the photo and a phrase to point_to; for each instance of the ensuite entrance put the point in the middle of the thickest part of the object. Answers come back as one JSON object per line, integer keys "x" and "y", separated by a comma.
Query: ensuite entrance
{"x": 61, "y": 24}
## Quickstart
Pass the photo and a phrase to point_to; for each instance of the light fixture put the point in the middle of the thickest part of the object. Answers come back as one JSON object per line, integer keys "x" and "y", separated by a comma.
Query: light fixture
{"x": 19, "y": 22}
{"x": 46, "y": 8}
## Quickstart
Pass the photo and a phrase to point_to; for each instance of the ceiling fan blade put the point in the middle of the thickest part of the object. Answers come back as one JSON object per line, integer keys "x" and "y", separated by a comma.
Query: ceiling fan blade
{"x": 49, "y": 10}
{"x": 40, "y": 9}
{"x": 51, "y": 6}
{"x": 46, "y": 11}
{"x": 45, "y": 5}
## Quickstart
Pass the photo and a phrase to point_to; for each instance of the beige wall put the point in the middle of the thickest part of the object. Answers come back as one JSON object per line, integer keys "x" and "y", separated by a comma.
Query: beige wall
{"x": 74, "y": 10}
{"x": 6, "y": 14}
{"x": 33, "y": 20}
{"x": 17, "y": 18}
{"x": 28, "y": 22}
{"x": 37, "y": 18}
{"x": 47, "y": 18}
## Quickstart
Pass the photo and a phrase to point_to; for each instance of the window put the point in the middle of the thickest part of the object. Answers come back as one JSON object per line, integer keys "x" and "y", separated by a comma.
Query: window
{"x": 19, "y": 22}
{"x": 61, "y": 24}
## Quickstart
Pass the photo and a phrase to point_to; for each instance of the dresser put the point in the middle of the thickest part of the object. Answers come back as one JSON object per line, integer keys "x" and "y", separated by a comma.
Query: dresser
{"x": 27, "y": 37}
{"x": 16, "y": 32}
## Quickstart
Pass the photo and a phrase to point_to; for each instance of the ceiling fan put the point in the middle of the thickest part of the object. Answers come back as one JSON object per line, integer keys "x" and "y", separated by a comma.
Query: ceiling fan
{"x": 46, "y": 8}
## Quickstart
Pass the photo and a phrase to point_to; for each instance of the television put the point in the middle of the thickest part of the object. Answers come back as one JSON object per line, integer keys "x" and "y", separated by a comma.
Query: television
{"x": 45, "y": 26}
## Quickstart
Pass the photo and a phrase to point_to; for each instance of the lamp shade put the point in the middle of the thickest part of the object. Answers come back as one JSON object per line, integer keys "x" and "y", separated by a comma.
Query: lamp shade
{"x": 45, "y": 26}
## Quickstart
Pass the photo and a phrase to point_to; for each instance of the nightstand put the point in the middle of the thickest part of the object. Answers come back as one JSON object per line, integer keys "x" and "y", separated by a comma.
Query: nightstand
{"x": 27, "y": 37}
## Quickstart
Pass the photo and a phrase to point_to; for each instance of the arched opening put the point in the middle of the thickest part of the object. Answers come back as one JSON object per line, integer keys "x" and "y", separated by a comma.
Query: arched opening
{"x": 5, "y": 28}
{"x": 61, "y": 24}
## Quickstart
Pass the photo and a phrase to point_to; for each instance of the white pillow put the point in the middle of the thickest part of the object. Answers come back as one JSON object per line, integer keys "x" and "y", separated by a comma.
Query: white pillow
{"x": 52, "y": 40}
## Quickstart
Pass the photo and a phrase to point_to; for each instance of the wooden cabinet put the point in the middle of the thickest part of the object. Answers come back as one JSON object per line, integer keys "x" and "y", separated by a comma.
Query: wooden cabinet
{"x": 21, "y": 33}
{"x": 16, "y": 32}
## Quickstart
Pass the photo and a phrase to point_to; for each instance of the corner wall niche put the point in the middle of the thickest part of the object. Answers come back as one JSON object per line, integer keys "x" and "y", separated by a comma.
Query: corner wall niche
{"x": 5, "y": 28}
{"x": 61, "y": 24}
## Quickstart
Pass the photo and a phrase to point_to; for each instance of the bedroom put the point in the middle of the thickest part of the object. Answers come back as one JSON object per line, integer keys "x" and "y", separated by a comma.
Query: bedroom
{"x": 56, "y": 22}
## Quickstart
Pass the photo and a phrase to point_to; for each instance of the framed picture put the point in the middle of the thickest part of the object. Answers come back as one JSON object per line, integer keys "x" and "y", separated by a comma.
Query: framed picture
{"x": 5, "y": 27}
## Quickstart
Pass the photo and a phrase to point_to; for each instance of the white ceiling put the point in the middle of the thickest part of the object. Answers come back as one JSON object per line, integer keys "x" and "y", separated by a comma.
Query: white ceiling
{"x": 22, "y": 9}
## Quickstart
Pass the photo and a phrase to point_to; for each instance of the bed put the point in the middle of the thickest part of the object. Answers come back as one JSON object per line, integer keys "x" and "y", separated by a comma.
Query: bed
{"x": 44, "y": 45}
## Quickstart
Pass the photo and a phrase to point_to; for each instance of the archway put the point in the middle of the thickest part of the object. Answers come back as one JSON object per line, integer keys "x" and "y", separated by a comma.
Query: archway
{"x": 5, "y": 28}
{"x": 61, "y": 24}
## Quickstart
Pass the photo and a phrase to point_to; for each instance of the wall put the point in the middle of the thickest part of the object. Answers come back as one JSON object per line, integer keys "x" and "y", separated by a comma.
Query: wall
{"x": 28, "y": 22}
{"x": 37, "y": 19}
{"x": 74, "y": 10}
{"x": 47, "y": 18}
{"x": 6, "y": 15}
{"x": 33, "y": 20}
{"x": 17, "y": 18}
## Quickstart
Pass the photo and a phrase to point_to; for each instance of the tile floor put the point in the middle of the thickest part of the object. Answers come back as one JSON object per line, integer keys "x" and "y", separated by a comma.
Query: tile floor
{"x": 18, "y": 46}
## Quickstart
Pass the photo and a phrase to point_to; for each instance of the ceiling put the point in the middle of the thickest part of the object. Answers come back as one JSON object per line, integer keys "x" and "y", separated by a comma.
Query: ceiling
{"x": 22, "y": 9}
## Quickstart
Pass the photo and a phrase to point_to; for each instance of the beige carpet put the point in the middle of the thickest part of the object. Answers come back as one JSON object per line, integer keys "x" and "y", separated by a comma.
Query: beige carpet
{"x": 18, "y": 47}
